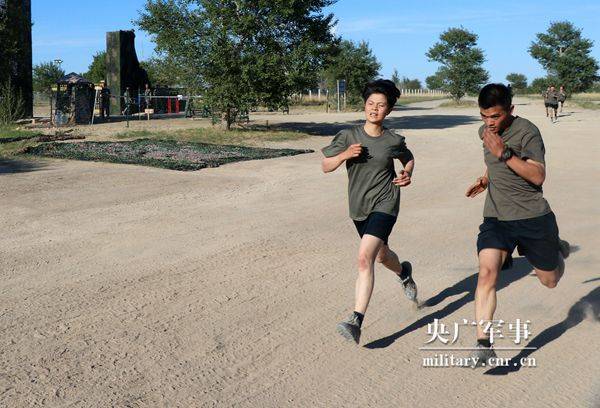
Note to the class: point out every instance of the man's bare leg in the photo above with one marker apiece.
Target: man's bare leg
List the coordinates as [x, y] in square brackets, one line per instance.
[551, 278]
[490, 263]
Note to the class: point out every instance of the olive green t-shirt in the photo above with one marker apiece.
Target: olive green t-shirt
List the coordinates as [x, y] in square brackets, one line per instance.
[551, 97]
[370, 175]
[562, 96]
[511, 197]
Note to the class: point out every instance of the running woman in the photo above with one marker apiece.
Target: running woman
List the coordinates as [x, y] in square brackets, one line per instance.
[369, 151]
[515, 213]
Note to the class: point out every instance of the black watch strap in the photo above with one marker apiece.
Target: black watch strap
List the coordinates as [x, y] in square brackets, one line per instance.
[507, 153]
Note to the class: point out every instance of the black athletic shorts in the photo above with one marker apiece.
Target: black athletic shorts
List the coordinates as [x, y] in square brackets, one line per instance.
[535, 238]
[378, 224]
[551, 105]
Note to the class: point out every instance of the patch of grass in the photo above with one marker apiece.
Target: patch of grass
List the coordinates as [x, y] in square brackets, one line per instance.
[9, 132]
[244, 137]
[588, 100]
[14, 141]
[168, 154]
[461, 104]
[594, 105]
[15, 148]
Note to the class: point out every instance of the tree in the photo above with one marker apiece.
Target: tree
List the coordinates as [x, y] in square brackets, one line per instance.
[242, 52]
[163, 71]
[45, 76]
[407, 83]
[434, 81]
[518, 82]
[461, 71]
[396, 78]
[97, 70]
[354, 63]
[540, 85]
[563, 53]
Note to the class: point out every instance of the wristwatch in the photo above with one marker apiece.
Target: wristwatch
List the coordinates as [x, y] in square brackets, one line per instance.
[507, 153]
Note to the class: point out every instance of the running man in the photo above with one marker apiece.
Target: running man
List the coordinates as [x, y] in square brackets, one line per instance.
[562, 97]
[551, 101]
[515, 213]
[369, 151]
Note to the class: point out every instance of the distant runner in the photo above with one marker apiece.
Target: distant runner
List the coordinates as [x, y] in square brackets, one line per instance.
[562, 97]
[551, 101]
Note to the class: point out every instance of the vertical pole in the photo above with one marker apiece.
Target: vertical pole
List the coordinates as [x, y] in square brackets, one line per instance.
[338, 95]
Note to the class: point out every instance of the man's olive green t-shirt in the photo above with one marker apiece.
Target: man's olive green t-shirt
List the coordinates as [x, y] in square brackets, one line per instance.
[551, 97]
[370, 175]
[511, 197]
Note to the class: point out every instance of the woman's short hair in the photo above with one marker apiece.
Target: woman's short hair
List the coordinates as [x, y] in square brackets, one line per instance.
[382, 86]
[495, 95]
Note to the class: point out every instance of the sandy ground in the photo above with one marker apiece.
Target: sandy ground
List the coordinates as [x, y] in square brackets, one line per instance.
[129, 286]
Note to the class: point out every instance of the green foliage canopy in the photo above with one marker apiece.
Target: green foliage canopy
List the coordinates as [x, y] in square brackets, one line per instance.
[565, 54]
[45, 76]
[242, 52]
[354, 63]
[461, 62]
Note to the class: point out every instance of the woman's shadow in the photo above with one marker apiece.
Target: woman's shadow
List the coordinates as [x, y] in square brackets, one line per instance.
[520, 269]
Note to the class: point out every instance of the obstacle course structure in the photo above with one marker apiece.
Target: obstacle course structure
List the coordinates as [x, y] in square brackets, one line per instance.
[15, 49]
[123, 69]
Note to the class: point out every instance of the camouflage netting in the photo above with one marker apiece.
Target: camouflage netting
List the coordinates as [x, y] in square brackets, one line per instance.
[159, 153]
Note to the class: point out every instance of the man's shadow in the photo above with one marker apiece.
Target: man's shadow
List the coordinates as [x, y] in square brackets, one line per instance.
[587, 305]
[520, 269]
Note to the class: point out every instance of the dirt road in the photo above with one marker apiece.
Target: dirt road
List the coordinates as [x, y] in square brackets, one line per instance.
[141, 287]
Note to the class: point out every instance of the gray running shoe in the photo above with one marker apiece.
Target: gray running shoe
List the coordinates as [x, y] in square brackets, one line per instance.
[349, 328]
[409, 285]
[564, 247]
[482, 354]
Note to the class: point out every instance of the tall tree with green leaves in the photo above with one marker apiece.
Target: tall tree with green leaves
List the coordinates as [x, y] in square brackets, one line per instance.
[45, 76]
[242, 52]
[565, 54]
[396, 78]
[462, 62]
[354, 63]
[408, 83]
[97, 70]
[540, 85]
[163, 71]
[518, 82]
[434, 82]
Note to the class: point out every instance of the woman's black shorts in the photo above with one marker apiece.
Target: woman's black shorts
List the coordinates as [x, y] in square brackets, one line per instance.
[551, 105]
[378, 224]
[535, 238]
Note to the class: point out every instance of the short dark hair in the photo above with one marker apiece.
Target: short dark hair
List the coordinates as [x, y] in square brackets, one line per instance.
[495, 95]
[382, 86]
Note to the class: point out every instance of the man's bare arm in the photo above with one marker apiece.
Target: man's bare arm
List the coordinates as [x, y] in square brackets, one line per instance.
[530, 170]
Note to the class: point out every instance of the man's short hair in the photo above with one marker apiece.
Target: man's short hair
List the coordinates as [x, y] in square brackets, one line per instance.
[495, 95]
[382, 86]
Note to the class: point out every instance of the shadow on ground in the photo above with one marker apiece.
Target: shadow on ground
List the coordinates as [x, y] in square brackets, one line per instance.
[520, 269]
[588, 306]
[400, 123]
[10, 166]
